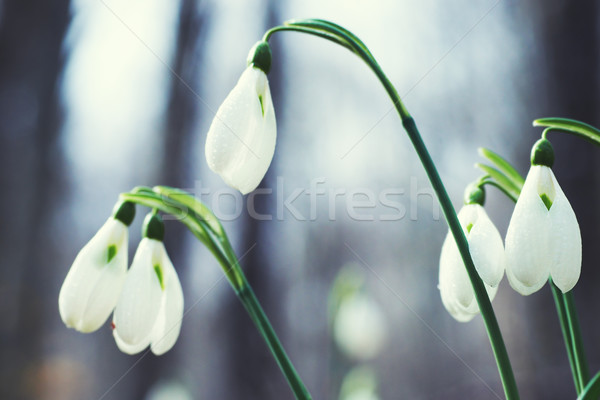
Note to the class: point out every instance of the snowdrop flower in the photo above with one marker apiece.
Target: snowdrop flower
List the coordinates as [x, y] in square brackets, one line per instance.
[93, 284]
[150, 309]
[487, 251]
[241, 139]
[359, 327]
[543, 238]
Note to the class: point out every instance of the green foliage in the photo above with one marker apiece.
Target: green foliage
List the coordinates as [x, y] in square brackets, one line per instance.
[577, 128]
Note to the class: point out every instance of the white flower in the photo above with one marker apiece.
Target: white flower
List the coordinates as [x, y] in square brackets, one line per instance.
[92, 286]
[241, 139]
[359, 327]
[543, 236]
[150, 309]
[487, 251]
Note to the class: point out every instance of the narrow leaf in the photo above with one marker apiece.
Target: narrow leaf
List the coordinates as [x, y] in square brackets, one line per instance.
[511, 195]
[182, 197]
[592, 390]
[503, 166]
[502, 180]
[153, 200]
[577, 128]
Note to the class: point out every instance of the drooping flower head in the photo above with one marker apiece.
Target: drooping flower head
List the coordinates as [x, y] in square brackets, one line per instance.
[93, 284]
[150, 308]
[241, 139]
[487, 251]
[543, 238]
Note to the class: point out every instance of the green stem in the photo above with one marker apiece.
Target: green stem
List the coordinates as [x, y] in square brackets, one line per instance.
[250, 302]
[565, 307]
[491, 324]
[566, 331]
[592, 390]
[577, 343]
[207, 228]
[485, 306]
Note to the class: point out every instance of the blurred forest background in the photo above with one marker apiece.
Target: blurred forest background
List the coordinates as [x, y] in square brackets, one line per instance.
[97, 96]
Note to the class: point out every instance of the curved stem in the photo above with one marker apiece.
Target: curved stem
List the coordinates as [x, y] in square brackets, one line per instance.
[207, 228]
[323, 35]
[506, 374]
[485, 306]
[574, 127]
[503, 189]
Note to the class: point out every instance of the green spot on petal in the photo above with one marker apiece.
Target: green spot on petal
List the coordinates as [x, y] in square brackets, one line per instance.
[262, 106]
[546, 200]
[111, 252]
[469, 227]
[159, 274]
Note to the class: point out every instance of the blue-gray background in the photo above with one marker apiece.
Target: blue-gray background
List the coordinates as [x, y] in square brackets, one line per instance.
[99, 96]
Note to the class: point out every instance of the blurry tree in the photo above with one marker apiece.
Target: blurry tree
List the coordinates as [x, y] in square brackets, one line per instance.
[31, 35]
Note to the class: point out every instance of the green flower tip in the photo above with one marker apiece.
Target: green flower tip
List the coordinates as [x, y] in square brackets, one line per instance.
[159, 274]
[153, 227]
[546, 200]
[124, 211]
[111, 253]
[474, 194]
[542, 153]
[260, 56]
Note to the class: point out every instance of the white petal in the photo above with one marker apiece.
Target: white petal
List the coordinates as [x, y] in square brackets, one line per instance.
[168, 323]
[527, 238]
[140, 299]
[450, 303]
[458, 312]
[487, 249]
[468, 214]
[565, 242]
[455, 287]
[92, 286]
[130, 348]
[241, 139]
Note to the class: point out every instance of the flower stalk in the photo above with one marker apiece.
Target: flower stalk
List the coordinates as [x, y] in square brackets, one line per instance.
[346, 39]
[207, 228]
[510, 182]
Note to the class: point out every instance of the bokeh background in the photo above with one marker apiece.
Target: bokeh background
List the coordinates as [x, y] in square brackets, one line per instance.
[97, 96]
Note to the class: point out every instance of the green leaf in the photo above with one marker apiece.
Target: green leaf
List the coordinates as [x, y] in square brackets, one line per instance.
[592, 390]
[505, 183]
[153, 200]
[182, 197]
[218, 245]
[339, 28]
[311, 29]
[503, 166]
[511, 195]
[577, 128]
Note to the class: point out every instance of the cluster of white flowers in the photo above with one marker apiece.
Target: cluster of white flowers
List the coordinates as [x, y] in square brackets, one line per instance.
[542, 241]
[147, 299]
